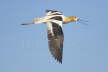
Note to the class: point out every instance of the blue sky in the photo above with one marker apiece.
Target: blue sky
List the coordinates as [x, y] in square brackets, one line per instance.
[25, 48]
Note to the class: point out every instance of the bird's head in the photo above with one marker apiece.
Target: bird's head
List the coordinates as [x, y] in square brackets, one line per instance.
[74, 19]
[70, 19]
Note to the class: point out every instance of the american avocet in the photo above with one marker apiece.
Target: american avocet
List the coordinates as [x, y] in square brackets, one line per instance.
[54, 20]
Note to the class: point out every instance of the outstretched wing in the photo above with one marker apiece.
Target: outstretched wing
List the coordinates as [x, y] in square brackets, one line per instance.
[56, 38]
[53, 12]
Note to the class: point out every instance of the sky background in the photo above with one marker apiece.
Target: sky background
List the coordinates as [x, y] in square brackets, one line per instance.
[25, 48]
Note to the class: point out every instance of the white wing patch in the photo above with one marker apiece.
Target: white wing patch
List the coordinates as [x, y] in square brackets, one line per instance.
[50, 28]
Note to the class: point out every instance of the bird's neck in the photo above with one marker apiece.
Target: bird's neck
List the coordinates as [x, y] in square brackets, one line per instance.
[70, 19]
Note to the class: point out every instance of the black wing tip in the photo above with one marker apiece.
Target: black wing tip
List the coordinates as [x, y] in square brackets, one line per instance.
[52, 10]
[48, 10]
[59, 60]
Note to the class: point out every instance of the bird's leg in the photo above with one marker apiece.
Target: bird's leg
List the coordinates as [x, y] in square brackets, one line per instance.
[35, 21]
[39, 20]
[27, 23]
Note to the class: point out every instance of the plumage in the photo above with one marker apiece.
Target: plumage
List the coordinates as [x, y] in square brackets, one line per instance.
[54, 20]
[55, 41]
[53, 12]
[59, 18]
[70, 19]
[55, 34]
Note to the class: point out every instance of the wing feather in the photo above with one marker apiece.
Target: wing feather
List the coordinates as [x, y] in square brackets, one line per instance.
[55, 40]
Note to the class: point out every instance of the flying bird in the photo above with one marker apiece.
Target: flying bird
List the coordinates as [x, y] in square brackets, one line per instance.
[54, 20]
